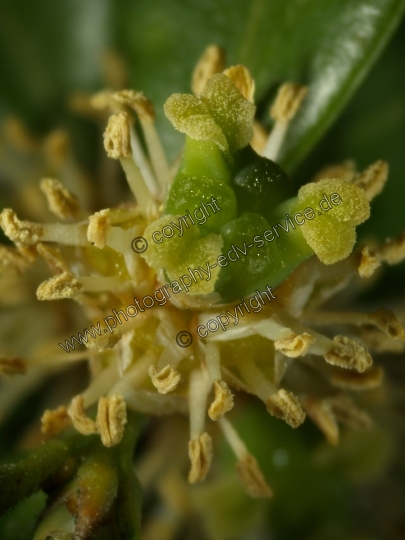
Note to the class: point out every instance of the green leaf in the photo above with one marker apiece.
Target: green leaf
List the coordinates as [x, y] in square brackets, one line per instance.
[328, 45]
[26, 475]
[373, 127]
[19, 523]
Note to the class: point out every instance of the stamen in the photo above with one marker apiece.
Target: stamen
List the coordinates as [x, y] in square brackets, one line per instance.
[210, 63]
[294, 345]
[347, 413]
[103, 342]
[273, 328]
[66, 285]
[350, 380]
[101, 233]
[285, 405]
[223, 401]
[145, 111]
[157, 154]
[320, 411]
[198, 391]
[373, 179]
[134, 377]
[349, 354]
[384, 319]
[53, 258]
[213, 361]
[200, 452]
[288, 101]
[111, 419]
[341, 351]
[61, 286]
[20, 231]
[242, 79]
[379, 342]
[61, 202]
[102, 283]
[115, 103]
[368, 263]
[392, 251]
[344, 171]
[142, 162]
[124, 352]
[55, 421]
[165, 380]
[279, 403]
[102, 100]
[82, 423]
[200, 444]
[29, 233]
[256, 379]
[235, 381]
[286, 105]
[259, 140]
[247, 467]
[280, 366]
[117, 142]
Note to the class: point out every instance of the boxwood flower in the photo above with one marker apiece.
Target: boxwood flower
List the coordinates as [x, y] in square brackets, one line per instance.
[303, 247]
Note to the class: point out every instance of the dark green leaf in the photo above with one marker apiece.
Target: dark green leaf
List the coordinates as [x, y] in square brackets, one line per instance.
[329, 45]
[19, 523]
[25, 476]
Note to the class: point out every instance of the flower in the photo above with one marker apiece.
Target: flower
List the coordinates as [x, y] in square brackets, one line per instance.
[141, 308]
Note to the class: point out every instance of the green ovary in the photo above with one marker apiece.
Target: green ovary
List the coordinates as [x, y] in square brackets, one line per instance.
[192, 194]
[254, 196]
[267, 262]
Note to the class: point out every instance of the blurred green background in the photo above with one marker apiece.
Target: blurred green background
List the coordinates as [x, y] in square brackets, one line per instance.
[352, 55]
